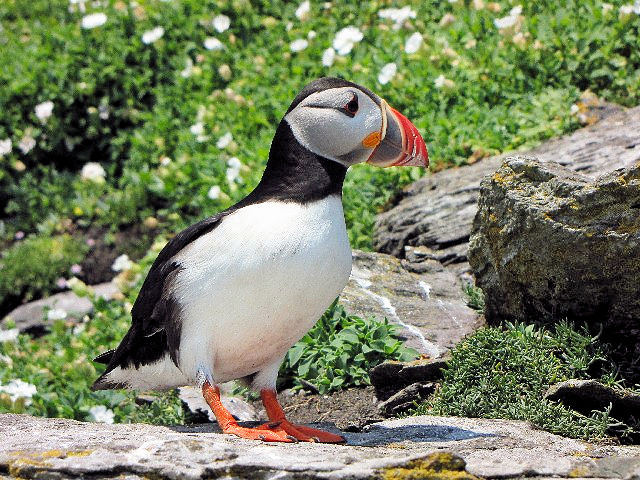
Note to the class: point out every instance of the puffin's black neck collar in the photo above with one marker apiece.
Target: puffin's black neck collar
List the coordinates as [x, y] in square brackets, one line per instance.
[295, 174]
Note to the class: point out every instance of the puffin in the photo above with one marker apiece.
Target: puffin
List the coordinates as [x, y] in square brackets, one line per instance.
[228, 296]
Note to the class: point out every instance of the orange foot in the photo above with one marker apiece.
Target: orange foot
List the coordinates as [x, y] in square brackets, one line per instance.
[300, 432]
[278, 430]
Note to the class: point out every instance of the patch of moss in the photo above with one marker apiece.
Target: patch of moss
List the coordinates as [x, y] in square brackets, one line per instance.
[28, 460]
[30, 268]
[436, 466]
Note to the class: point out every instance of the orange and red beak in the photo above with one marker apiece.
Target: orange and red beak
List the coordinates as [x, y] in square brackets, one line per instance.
[400, 142]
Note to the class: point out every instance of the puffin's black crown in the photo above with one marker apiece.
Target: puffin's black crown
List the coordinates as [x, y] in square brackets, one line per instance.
[326, 83]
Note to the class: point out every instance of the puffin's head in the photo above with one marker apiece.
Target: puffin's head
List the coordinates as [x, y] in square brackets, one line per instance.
[349, 124]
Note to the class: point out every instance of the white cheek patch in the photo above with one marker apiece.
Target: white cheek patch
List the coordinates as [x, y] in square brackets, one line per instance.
[334, 135]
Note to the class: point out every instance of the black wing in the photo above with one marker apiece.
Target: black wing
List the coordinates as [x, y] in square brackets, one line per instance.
[155, 326]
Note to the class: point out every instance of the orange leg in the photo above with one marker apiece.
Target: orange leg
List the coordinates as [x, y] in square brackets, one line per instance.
[300, 432]
[228, 424]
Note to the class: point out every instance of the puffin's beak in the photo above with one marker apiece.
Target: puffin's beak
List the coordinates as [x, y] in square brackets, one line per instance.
[400, 142]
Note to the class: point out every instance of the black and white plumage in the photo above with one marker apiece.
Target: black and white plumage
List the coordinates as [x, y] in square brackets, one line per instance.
[227, 297]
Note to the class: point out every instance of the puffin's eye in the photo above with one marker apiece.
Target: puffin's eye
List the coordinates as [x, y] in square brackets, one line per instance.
[351, 108]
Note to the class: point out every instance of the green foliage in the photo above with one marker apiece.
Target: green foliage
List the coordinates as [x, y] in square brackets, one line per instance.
[131, 105]
[30, 268]
[340, 349]
[475, 297]
[504, 373]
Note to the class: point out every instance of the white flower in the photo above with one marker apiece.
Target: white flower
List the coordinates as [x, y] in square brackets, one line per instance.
[221, 23]
[510, 20]
[94, 20]
[26, 144]
[439, 82]
[93, 171]
[311, 35]
[606, 8]
[103, 112]
[574, 109]
[56, 314]
[152, 35]
[447, 19]
[78, 329]
[101, 414]
[413, 43]
[298, 45]
[188, 69]
[5, 147]
[345, 39]
[214, 192]
[121, 263]
[18, 389]
[328, 57]
[234, 162]
[197, 128]
[626, 10]
[397, 15]
[505, 22]
[10, 335]
[6, 359]
[44, 110]
[387, 73]
[81, 5]
[224, 141]
[212, 43]
[636, 7]
[302, 12]
[233, 169]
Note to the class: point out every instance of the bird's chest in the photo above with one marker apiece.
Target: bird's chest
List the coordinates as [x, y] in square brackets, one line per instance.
[257, 283]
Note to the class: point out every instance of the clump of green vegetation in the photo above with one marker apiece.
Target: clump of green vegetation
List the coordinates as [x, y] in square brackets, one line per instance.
[339, 351]
[475, 297]
[503, 372]
[152, 111]
[29, 268]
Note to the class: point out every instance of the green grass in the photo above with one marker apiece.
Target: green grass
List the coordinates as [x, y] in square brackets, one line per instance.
[504, 373]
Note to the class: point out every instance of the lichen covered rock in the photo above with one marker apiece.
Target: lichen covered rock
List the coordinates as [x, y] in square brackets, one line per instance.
[549, 243]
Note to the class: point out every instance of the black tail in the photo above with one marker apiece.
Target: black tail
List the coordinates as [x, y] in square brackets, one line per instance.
[104, 357]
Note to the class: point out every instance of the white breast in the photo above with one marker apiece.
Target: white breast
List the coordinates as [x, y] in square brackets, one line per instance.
[257, 283]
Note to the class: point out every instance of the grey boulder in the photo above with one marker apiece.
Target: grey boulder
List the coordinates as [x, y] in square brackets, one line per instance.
[30, 317]
[550, 243]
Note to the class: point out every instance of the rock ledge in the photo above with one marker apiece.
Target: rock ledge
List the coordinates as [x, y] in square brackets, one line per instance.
[46, 448]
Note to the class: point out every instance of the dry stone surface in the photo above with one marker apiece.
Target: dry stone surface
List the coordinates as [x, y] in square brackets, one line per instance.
[60, 449]
[430, 307]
